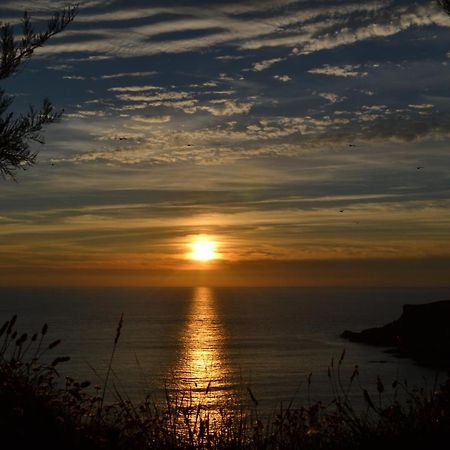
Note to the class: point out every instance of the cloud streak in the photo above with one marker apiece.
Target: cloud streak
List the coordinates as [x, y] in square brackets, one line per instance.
[230, 23]
[290, 131]
[339, 71]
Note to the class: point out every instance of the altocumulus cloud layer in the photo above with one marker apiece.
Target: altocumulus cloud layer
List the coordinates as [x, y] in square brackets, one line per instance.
[291, 130]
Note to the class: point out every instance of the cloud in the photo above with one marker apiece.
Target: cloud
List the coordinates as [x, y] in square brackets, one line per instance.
[49, 5]
[154, 119]
[128, 75]
[367, 92]
[225, 108]
[331, 97]
[261, 159]
[73, 77]
[271, 137]
[156, 98]
[81, 114]
[339, 71]
[370, 20]
[60, 67]
[283, 78]
[144, 88]
[90, 58]
[397, 20]
[266, 64]
[235, 57]
[422, 106]
[222, 25]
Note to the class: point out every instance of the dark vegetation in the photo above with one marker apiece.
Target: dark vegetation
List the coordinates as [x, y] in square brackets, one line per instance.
[41, 409]
[445, 5]
[17, 130]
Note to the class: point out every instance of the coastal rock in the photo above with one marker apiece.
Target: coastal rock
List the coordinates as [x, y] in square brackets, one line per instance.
[422, 333]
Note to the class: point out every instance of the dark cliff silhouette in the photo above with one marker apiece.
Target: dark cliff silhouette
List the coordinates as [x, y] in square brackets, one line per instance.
[422, 333]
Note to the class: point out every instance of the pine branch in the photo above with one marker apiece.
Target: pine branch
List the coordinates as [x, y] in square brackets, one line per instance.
[445, 4]
[16, 132]
[14, 51]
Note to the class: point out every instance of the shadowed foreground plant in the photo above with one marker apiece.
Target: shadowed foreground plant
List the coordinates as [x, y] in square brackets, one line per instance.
[38, 407]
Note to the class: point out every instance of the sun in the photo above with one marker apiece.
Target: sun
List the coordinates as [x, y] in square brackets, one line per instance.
[203, 250]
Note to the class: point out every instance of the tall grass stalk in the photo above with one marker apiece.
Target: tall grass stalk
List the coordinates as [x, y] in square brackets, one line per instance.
[113, 352]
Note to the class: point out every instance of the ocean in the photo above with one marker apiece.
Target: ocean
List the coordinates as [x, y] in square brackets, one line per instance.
[216, 342]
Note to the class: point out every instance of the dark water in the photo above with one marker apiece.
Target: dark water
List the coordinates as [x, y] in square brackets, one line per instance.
[184, 338]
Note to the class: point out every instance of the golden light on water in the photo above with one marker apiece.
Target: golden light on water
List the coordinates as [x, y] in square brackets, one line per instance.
[203, 249]
[203, 369]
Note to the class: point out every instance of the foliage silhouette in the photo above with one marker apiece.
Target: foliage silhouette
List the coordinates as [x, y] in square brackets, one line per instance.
[39, 408]
[446, 5]
[17, 130]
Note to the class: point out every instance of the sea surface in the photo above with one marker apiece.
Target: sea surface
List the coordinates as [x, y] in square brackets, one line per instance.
[215, 343]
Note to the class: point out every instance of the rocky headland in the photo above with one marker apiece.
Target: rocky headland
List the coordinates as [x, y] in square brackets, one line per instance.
[422, 333]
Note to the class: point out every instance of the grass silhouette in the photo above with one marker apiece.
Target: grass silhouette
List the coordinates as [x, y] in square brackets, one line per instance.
[40, 408]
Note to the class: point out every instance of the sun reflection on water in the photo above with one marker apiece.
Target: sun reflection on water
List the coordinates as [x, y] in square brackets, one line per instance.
[203, 370]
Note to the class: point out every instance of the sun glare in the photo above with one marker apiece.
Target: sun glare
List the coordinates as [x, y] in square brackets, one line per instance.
[203, 250]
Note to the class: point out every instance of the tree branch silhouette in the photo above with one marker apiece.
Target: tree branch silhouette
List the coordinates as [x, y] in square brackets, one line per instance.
[17, 130]
[445, 4]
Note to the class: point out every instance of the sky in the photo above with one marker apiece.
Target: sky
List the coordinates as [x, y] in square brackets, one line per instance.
[307, 139]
